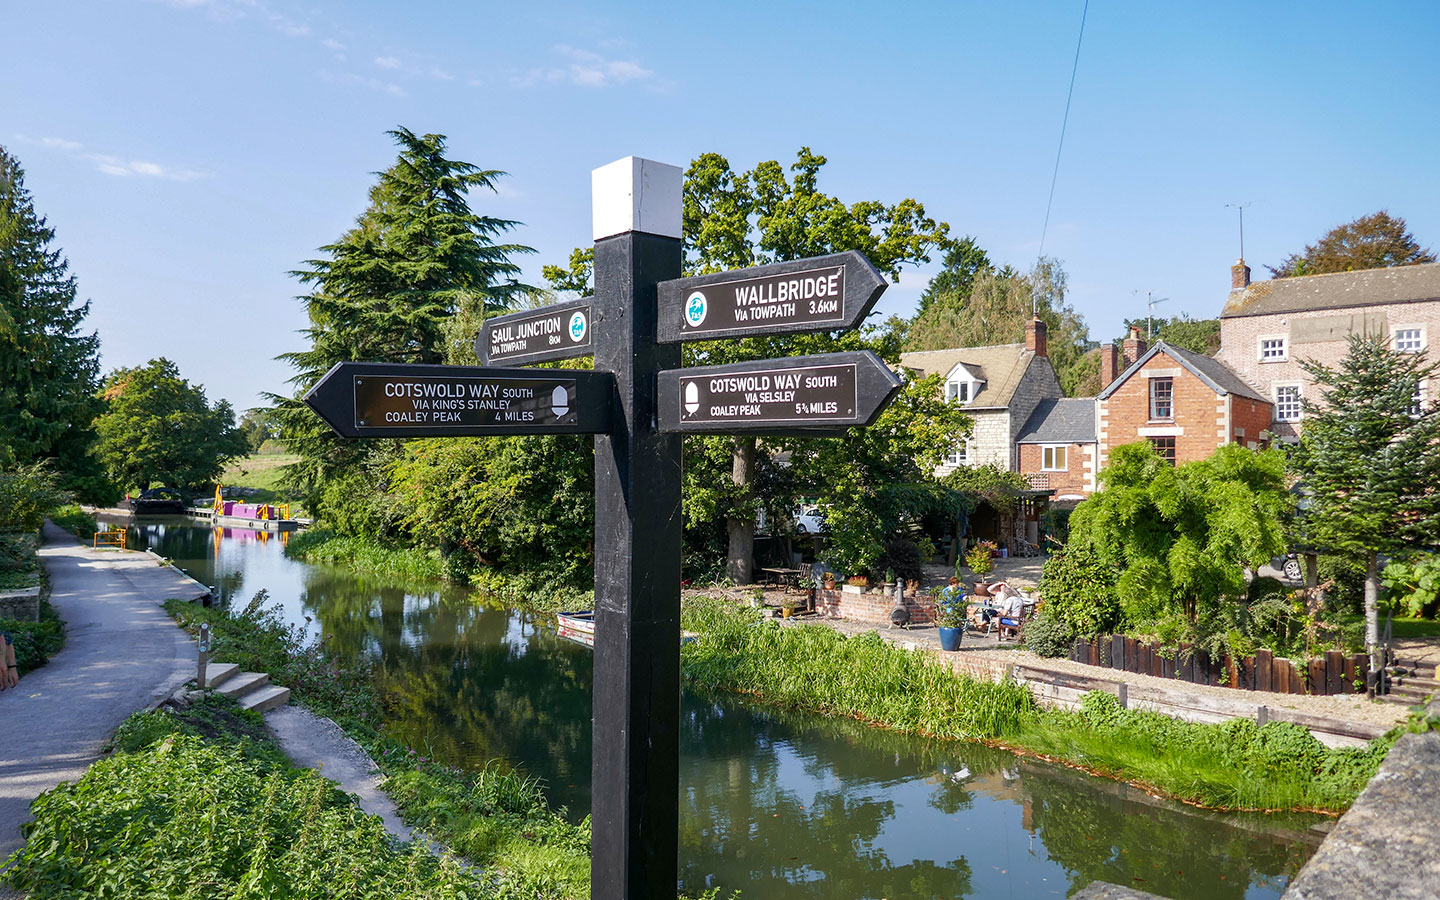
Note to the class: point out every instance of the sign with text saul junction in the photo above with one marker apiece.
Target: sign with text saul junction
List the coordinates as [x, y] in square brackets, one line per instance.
[559, 331]
[823, 293]
[395, 400]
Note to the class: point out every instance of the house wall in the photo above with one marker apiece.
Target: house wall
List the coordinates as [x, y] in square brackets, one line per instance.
[1248, 418]
[1038, 383]
[1319, 335]
[990, 440]
[1199, 425]
[1078, 478]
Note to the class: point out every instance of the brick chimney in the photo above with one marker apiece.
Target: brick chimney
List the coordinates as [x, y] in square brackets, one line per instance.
[1109, 364]
[1239, 276]
[1135, 347]
[1035, 337]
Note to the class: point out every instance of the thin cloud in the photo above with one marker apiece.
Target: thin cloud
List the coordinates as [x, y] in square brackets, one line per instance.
[396, 64]
[387, 62]
[109, 164]
[232, 10]
[350, 79]
[585, 68]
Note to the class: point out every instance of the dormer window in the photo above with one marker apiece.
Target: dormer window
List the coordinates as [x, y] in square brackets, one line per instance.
[957, 391]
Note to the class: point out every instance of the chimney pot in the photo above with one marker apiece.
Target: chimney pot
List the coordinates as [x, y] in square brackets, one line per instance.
[1109, 364]
[1135, 347]
[1035, 340]
[1239, 276]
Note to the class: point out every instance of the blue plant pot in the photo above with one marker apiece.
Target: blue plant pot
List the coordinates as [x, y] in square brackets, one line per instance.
[949, 638]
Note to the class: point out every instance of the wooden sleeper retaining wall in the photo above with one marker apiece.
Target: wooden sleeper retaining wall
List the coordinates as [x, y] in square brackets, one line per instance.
[1331, 673]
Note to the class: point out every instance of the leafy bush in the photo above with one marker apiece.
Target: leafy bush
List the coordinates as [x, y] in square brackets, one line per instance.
[978, 558]
[35, 642]
[187, 817]
[1414, 586]
[1049, 635]
[27, 495]
[1346, 583]
[325, 547]
[904, 557]
[1079, 588]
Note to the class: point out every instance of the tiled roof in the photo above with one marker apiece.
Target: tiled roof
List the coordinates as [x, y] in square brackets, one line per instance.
[1367, 287]
[1001, 367]
[1213, 372]
[1060, 421]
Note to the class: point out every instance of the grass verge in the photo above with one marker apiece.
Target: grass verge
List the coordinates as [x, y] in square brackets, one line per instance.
[366, 554]
[496, 818]
[1234, 765]
[199, 799]
[76, 521]
[1410, 627]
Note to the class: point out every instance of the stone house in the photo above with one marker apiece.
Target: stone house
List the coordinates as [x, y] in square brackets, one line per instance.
[1186, 403]
[999, 386]
[1269, 326]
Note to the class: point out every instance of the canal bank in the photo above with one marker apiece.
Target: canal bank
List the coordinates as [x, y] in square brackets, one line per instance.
[122, 653]
[785, 803]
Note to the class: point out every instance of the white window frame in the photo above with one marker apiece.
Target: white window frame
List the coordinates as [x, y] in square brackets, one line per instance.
[1049, 450]
[1299, 401]
[954, 391]
[1284, 341]
[1150, 398]
[1417, 406]
[960, 456]
[1395, 338]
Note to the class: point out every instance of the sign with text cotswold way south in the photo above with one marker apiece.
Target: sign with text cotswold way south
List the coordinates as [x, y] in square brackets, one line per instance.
[830, 391]
[636, 402]
[396, 400]
[823, 293]
[559, 331]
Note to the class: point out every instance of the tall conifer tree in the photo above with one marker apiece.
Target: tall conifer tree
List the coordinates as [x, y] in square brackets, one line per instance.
[48, 369]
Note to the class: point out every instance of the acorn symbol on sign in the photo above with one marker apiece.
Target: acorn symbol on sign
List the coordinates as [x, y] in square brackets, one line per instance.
[559, 401]
[692, 398]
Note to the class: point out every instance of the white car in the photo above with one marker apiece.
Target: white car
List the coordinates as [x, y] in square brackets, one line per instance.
[809, 520]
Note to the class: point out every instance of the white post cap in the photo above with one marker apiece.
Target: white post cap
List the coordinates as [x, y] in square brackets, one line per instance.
[634, 194]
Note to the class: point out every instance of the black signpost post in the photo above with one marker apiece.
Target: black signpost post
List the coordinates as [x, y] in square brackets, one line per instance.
[637, 402]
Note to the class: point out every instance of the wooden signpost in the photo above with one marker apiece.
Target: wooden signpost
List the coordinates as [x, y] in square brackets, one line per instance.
[638, 402]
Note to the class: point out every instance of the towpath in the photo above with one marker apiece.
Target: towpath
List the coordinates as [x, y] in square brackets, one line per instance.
[122, 653]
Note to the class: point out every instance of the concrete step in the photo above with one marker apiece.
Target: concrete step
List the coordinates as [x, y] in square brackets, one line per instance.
[216, 673]
[266, 698]
[1409, 695]
[1415, 681]
[244, 683]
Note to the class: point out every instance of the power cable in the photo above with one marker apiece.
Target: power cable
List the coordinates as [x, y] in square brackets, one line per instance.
[1063, 122]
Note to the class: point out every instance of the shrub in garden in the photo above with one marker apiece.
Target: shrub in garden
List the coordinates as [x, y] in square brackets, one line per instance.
[1049, 635]
[905, 558]
[1079, 588]
[27, 495]
[1415, 586]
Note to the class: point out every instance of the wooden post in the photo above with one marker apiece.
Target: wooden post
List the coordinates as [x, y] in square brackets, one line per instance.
[635, 795]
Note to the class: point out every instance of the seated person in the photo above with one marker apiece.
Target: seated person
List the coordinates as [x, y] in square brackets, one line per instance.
[1012, 607]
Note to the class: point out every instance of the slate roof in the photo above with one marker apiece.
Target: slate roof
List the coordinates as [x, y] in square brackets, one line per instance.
[1213, 372]
[1367, 287]
[1001, 367]
[1060, 421]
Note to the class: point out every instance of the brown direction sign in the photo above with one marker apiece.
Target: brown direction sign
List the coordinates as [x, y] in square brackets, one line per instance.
[826, 393]
[823, 293]
[396, 400]
[560, 331]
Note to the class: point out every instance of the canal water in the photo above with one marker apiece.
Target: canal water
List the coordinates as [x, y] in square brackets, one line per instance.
[777, 804]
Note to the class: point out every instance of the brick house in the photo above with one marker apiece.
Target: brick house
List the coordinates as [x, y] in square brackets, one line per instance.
[1185, 403]
[999, 386]
[1268, 326]
[1056, 448]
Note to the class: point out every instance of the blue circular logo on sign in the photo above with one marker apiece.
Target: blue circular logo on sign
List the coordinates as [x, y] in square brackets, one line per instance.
[695, 309]
[578, 326]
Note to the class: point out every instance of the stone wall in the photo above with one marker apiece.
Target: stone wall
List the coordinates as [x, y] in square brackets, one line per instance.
[23, 604]
[1319, 335]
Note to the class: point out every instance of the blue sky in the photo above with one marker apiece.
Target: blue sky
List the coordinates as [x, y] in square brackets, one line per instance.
[191, 152]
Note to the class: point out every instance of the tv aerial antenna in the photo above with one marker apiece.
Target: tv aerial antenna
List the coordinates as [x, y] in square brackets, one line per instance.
[1151, 301]
[1240, 207]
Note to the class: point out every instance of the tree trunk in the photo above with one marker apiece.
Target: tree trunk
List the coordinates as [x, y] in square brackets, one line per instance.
[1372, 622]
[741, 552]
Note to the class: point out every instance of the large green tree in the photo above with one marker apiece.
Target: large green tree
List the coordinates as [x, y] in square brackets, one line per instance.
[1376, 241]
[1369, 462]
[158, 428]
[410, 283]
[48, 368]
[995, 310]
[1183, 536]
[763, 215]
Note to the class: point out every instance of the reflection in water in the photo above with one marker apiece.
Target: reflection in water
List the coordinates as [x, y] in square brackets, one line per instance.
[778, 804]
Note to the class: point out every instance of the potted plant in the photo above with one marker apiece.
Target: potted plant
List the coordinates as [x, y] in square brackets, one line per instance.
[829, 580]
[757, 598]
[978, 560]
[950, 617]
[788, 607]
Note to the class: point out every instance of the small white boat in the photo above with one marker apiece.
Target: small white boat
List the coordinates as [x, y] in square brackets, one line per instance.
[577, 626]
[580, 628]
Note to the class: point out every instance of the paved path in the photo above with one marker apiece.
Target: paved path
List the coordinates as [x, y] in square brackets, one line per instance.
[122, 653]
